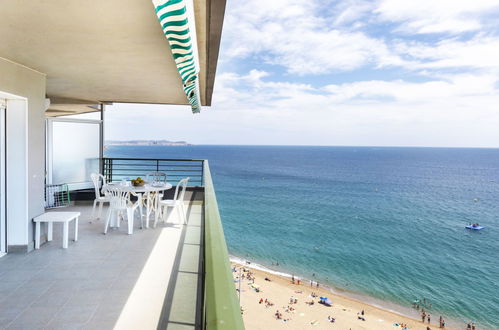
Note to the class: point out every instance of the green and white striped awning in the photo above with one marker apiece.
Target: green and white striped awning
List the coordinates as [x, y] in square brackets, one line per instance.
[177, 20]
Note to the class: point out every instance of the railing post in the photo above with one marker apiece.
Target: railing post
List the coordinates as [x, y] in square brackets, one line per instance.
[157, 165]
[202, 173]
[110, 171]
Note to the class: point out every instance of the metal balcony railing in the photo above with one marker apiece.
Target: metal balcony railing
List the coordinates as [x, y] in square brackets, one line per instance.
[117, 169]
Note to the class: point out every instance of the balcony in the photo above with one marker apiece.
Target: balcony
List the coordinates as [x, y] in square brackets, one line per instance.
[169, 277]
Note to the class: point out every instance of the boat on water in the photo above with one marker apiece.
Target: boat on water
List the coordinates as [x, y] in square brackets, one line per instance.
[474, 227]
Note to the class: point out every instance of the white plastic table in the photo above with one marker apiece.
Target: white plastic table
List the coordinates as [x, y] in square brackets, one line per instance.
[50, 218]
[148, 195]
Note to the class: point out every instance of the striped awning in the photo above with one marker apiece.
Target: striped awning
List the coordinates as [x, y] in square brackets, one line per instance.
[177, 20]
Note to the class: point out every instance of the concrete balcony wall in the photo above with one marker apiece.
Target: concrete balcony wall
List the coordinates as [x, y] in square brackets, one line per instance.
[27, 84]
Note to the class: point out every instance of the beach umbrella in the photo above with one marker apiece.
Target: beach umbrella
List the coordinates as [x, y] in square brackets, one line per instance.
[177, 20]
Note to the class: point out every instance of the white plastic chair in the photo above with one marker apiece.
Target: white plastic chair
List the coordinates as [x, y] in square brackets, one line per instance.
[119, 203]
[153, 177]
[177, 203]
[96, 179]
[156, 177]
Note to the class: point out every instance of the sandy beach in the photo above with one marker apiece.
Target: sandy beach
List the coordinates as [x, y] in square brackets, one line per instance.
[346, 311]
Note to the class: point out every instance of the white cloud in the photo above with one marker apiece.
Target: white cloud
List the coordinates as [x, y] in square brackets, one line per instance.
[480, 52]
[436, 16]
[290, 34]
[308, 39]
[456, 110]
[401, 92]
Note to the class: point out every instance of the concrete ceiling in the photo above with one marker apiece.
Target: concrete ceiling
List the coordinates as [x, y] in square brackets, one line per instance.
[105, 50]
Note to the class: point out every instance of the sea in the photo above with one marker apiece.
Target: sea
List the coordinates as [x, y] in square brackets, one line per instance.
[386, 225]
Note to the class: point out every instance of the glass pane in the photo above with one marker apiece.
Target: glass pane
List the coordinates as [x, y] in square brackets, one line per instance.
[75, 153]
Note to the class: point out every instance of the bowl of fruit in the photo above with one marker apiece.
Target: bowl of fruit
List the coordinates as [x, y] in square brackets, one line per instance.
[139, 182]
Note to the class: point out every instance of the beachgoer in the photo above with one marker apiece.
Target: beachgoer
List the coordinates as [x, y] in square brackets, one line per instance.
[423, 316]
[468, 326]
[261, 301]
[473, 326]
[293, 279]
[428, 318]
[317, 285]
[362, 313]
[298, 282]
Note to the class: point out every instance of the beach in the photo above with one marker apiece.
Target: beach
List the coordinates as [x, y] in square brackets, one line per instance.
[279, 291]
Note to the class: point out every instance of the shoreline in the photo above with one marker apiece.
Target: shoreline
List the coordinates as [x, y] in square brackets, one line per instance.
[398, 312]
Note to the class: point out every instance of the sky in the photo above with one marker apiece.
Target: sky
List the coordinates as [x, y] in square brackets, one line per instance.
[343, 73]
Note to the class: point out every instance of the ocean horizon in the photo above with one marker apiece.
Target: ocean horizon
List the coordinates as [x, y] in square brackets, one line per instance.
[380, 222]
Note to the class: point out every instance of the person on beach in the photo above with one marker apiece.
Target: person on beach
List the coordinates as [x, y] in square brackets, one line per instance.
[428, 318]
[293, 279]
[468, 327]
[442, 322]
[423, 316]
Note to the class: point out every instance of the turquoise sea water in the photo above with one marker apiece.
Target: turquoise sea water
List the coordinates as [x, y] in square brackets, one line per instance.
[383, 222]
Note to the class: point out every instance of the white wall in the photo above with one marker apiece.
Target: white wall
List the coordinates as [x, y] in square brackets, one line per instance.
[29, 84]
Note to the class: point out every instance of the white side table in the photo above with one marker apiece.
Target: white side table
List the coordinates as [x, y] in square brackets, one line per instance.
[50, 218]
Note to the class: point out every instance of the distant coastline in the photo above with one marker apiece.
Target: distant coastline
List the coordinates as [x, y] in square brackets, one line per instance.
[146, 143]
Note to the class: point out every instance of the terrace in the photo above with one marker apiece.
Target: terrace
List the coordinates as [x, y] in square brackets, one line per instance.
[166, 277]
[58, 62]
